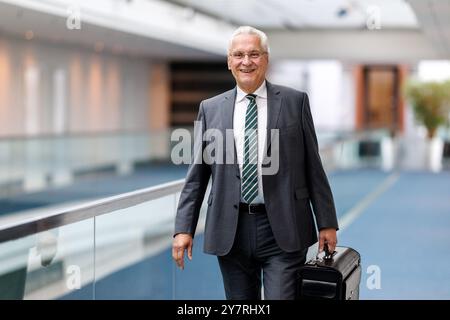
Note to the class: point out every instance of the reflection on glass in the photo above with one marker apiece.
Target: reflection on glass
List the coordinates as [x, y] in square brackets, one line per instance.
[201, 277]
[133, 260]
[54, 264]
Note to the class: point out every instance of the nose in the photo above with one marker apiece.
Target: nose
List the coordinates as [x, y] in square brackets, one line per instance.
[246, 60]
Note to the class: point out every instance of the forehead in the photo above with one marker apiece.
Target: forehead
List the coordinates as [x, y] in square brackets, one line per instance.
[246, 42]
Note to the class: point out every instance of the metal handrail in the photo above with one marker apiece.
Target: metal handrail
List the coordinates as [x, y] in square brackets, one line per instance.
[77, 135]
[87, 210]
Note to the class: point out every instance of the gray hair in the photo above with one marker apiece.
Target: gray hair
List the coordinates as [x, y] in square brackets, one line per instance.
[253, 31]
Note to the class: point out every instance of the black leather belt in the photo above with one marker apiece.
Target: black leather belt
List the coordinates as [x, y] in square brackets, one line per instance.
[252, 208]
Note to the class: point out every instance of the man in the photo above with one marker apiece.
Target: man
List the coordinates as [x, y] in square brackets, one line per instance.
[258, 223]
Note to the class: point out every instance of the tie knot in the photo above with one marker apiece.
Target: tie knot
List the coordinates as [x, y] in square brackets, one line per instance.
[251, 97]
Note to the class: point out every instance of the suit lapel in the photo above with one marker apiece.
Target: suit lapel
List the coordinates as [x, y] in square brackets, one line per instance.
[227, 107]
[273, 111]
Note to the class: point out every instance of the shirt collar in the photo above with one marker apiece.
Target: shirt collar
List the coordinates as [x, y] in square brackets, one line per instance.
[261, 92]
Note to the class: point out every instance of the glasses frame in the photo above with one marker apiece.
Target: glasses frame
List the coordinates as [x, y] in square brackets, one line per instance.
[248, 54]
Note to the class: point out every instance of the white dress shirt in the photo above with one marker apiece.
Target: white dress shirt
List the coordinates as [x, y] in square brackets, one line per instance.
[240, 109]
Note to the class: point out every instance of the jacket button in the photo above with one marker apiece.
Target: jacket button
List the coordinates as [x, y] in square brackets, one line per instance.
[238, 176]
[235, 206]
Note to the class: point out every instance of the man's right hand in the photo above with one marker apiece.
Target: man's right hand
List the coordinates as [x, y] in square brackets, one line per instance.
[181, 242]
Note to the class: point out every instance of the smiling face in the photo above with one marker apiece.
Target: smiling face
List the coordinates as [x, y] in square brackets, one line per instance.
[250, 69]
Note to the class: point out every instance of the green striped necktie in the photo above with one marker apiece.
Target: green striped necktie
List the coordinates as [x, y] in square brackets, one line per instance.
[250, 166]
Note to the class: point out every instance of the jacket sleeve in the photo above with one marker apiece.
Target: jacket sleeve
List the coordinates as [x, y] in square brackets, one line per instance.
[196, 182]
[319, 188]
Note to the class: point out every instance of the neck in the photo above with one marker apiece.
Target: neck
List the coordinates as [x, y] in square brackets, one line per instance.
[250, 89]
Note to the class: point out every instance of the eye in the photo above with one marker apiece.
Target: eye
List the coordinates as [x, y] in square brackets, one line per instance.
[255, 55]
[238, 55]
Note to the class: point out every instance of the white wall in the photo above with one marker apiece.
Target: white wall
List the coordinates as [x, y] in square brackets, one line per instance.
[290, 73]
[357, 46]
[329, 85]
[434, 70]
[47, 89]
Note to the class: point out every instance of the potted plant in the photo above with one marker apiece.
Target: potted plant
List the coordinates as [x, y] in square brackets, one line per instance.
[431, 105]
[430, 101]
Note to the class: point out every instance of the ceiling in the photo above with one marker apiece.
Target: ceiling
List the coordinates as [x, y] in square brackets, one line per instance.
[306, 14]
[416, 29]
[434, 21]
[298, 29]
[16, 21]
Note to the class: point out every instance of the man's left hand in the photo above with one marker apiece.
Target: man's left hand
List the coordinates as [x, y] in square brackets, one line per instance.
[328, 236]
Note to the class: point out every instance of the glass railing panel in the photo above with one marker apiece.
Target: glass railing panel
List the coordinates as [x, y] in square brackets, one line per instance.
[201, 278]
[133, 251]
[29, 164]
[371, 149]
[53, 264]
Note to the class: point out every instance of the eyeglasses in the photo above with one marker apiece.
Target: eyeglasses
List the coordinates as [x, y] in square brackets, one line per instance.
[254, 55]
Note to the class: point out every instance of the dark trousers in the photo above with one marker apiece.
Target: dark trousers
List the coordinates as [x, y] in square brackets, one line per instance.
[255, 252]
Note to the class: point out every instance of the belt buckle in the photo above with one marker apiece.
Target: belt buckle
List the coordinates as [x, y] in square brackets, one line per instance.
[249, 208]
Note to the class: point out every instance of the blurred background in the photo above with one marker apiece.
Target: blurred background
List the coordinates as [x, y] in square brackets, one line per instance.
[91, 91]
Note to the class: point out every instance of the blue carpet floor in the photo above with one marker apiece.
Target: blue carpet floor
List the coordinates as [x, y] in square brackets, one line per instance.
[404, 234]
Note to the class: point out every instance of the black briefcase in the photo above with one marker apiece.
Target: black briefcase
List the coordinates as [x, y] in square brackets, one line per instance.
[331, 276]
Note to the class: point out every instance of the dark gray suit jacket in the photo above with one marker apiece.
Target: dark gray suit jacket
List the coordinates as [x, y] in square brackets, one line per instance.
[299, 182]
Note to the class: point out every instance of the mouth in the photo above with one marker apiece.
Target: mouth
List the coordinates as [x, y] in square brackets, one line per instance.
[247, 70]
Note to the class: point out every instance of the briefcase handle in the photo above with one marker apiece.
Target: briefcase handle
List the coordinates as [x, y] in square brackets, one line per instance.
[328, 255]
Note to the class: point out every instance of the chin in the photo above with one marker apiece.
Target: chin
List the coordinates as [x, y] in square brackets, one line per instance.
[248, 81]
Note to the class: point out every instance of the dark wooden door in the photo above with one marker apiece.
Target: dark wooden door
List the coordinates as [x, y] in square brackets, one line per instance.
[381, 97]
